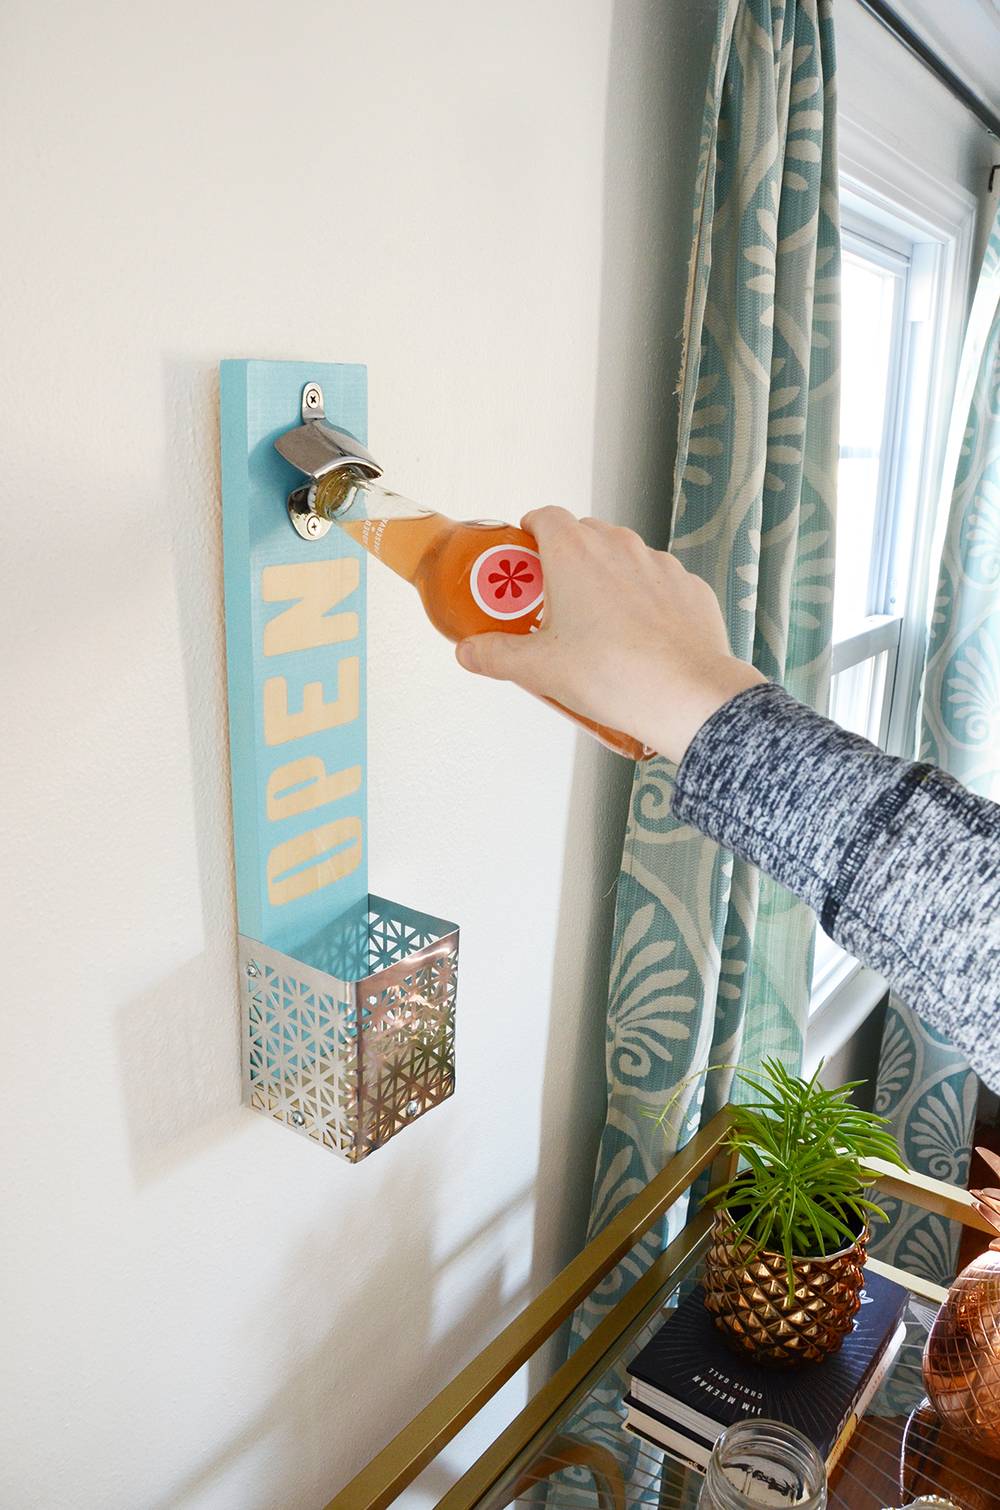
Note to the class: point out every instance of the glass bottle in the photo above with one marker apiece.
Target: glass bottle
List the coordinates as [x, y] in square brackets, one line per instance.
[473, 576]
[758, 1463]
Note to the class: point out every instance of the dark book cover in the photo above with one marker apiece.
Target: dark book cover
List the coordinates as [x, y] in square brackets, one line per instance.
[684, 1447]
[688, 1374]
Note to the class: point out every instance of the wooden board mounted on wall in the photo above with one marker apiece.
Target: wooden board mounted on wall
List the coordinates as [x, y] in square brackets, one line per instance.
[348, 999]
[295, 632]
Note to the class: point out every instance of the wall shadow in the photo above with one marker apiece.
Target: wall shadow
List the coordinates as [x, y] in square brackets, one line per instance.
[654, 94]
[178, 1067]
[178, 1043]
[178, 1051]
[658, 67]
[317, 1403]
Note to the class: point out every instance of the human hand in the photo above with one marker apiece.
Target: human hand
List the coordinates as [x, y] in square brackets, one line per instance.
[629, 638]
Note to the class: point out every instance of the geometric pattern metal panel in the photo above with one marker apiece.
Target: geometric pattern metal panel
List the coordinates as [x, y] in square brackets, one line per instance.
[350, 1059]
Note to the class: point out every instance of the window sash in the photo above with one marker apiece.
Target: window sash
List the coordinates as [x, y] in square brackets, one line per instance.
[891, 203]
[879, 632]
[895, 259]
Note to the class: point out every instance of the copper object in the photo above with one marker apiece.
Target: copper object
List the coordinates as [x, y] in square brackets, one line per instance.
[938, 1462]
[746, 1291]
[962, 1355]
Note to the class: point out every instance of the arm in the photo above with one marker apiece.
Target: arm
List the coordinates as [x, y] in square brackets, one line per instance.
[901, 863]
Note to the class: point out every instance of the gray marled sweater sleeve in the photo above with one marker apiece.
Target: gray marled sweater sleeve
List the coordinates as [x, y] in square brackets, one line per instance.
[900, 862]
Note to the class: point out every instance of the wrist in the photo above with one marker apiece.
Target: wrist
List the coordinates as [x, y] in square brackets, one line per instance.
[726, 679]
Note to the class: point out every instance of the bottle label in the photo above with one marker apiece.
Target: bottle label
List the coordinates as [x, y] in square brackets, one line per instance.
[506, 581]
[371, 534]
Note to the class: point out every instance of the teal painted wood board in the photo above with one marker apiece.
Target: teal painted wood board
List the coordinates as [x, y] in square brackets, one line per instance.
[295, 645]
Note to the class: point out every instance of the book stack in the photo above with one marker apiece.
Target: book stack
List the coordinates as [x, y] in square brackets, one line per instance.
[688, 1386]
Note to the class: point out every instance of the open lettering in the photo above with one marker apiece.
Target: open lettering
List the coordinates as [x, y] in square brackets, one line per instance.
[327, 851]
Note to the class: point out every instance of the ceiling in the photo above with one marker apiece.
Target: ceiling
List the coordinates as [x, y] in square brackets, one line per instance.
[966, 33]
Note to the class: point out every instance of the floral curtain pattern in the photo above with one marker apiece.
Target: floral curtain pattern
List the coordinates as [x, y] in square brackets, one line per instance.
[711, 962]
[924, 1085]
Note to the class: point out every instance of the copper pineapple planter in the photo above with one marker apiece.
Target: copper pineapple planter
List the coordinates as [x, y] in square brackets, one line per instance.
[746, 1290]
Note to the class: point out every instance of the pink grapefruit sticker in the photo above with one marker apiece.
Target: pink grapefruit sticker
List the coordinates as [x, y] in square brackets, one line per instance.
[506, 581]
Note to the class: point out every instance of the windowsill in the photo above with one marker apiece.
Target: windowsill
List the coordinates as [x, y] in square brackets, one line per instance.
[841, 1015]
[832, 969]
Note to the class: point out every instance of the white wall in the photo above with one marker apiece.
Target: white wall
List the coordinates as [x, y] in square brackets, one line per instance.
[888, 92]
[490, 207]
[966, 36]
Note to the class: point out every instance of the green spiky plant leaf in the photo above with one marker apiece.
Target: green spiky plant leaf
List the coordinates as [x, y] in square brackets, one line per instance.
[802, 1190]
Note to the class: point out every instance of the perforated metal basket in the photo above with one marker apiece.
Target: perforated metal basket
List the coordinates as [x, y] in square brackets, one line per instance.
[351, 1047]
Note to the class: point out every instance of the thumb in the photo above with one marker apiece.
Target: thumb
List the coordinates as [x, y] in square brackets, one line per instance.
[505, 657]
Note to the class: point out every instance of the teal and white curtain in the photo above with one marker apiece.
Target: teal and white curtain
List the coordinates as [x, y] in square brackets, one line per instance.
[924, 1084]
[711, 964]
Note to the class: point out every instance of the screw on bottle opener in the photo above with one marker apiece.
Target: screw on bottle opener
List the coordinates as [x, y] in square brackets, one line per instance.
[316, 449]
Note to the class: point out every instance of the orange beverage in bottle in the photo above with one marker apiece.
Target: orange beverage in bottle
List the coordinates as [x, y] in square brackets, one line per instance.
[473, 576]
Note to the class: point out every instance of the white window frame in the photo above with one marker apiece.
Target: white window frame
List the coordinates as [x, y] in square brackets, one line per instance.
[935, 221]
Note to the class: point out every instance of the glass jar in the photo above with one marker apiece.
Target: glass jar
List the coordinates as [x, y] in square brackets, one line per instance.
[757, 1463]
[931, 1502]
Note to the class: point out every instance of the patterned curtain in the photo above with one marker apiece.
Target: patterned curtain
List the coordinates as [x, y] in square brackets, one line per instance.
[711, 964]
[924, 1084]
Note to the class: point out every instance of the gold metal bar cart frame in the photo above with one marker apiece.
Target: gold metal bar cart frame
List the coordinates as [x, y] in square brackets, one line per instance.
[399, 1463]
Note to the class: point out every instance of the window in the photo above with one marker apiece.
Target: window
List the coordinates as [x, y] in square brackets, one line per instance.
[908, 238]
[890, 319]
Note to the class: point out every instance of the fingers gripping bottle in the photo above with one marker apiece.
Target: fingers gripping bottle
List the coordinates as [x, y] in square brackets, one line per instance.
[473, 576]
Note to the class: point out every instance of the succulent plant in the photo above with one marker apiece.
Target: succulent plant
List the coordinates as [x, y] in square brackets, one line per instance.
[803, 1189]
[804, 1192]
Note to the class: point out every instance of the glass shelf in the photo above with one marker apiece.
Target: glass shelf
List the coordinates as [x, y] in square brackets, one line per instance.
[568, 1448]
[590, 1461]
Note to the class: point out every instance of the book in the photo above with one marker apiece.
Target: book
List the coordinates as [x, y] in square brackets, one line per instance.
[694, 1450]
[692, 1384]
[880, 1373]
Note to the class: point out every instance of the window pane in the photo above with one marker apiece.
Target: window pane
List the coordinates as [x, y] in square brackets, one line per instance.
[857, 696]
[869, 297]
[857, 699]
